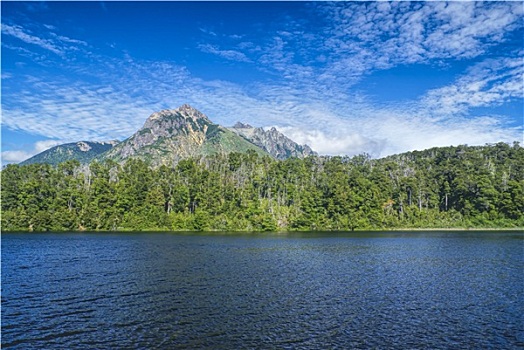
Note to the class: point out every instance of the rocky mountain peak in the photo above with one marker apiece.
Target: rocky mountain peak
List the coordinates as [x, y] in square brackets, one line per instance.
[274, 132]
[173, 134]
[185, 111]
[190, 112]
[272, 141]
[240, 125]
[83, 146]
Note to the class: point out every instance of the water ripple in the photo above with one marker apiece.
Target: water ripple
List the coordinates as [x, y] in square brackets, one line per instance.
[158, 291]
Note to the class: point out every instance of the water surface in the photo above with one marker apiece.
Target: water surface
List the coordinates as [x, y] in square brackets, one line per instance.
[439, 290]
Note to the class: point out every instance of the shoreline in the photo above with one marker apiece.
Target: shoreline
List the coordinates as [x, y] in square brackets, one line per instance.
[460, 229]
[447, 229]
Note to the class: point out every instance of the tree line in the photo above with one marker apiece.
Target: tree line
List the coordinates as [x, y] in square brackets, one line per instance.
[446, 187]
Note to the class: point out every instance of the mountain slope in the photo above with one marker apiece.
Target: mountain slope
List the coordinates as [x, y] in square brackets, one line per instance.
[171, 135]
[83, 151]
[273, 142]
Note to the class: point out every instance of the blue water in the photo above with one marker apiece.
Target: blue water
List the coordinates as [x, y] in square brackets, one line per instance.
[433, 290]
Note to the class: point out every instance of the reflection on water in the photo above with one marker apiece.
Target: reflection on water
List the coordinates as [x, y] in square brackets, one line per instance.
[362, 290]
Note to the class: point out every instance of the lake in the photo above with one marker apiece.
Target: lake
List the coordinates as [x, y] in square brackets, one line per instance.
[398, 290]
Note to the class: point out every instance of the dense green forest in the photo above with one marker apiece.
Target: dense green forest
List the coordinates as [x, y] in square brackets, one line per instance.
[459, 187]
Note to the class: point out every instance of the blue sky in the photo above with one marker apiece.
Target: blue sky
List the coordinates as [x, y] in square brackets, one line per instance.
[345, 78]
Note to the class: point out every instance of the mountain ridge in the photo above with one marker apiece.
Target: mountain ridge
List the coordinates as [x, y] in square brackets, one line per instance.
[83, 151]
[273, 141]
[170, 135]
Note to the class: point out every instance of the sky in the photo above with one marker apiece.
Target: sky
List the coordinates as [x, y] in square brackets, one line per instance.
[344, 77]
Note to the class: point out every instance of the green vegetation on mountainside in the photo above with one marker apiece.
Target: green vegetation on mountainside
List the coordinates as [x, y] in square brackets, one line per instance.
[222, 140]
[83, 151]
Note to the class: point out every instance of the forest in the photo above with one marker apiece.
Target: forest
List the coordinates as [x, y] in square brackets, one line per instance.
[446, 187]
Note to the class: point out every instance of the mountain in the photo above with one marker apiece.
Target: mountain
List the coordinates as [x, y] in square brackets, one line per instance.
[83, 151]
[272, 141]
[171, 135]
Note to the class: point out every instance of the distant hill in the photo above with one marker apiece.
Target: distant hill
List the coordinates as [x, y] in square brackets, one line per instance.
[83, 151]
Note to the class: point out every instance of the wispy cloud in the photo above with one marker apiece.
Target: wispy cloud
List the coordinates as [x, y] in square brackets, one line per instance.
[332, 123]
[231, 55]
[19, 33]
[353, 124]
[308, 92]
[491, 82]
[65, 39]
[207, 31]
[47, 39]
[359, 38]
[390, 33]
[73, 111]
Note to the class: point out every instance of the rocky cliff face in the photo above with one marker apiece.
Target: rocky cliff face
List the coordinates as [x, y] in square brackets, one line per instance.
[170, 135]
[273, 141]
[83, 151]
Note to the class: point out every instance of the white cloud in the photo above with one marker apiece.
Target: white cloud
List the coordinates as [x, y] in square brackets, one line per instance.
[20, 156]
[388, 131]
[231, 55]
[334, 142]
[66, 39]
[19, 33]
[207, 31]
[41, 146]
[490, 82]
[330, 121]
[48, 39]
[75, 111]
[15, 156]
[365, 36]
[308, 92]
